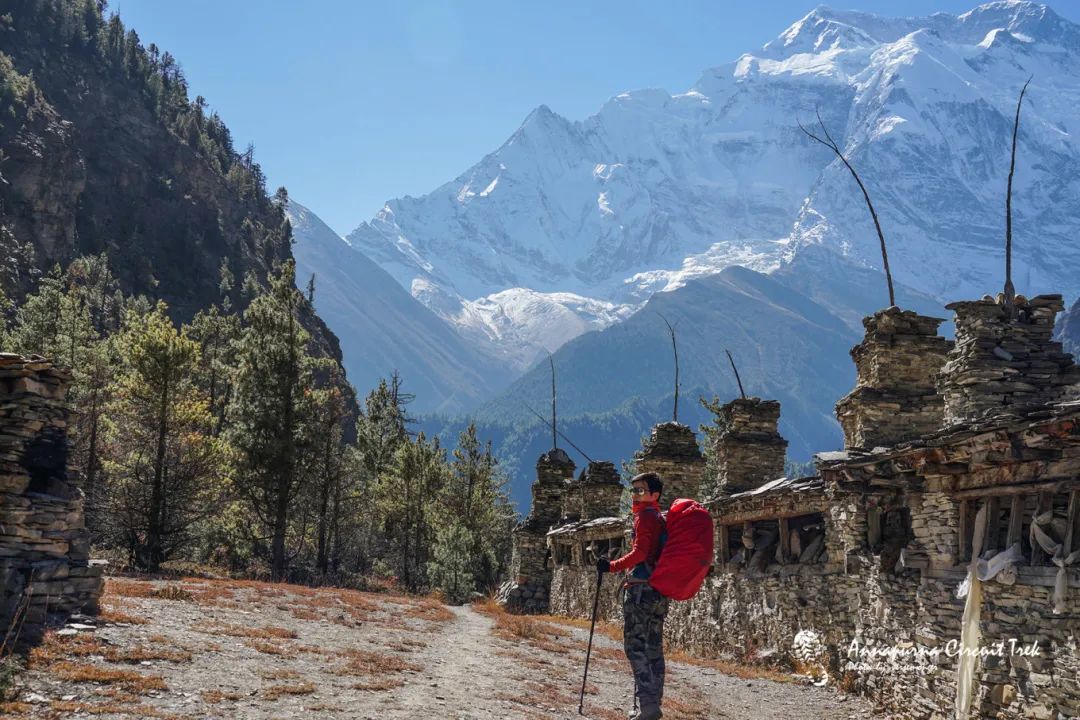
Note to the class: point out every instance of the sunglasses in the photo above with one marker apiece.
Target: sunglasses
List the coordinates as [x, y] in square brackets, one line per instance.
[639, 490]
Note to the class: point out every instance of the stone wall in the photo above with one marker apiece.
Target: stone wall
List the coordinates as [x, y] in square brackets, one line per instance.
[1005, 359]
[44, 546]
[671, 451]
[597, 492]
[898, 538]
[749, 449]
[529, 585]
[895, 398]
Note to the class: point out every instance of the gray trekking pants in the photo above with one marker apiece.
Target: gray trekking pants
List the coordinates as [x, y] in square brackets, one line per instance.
[644, 610]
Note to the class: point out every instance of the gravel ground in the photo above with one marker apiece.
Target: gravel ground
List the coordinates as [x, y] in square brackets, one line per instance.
[227, 649]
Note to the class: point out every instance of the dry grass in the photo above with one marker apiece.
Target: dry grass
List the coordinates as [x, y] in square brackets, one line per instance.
[379, 685]
[539, 694]
[405, 645]
[276, 691]
[366, 662]
[213, 697]
[15, 708]
[54, 649]
[604, 627]
[139, 711]
[122, 587]
[280, 674]
[128, 679]
[172, 592]
[116, 615]
[270, 648]
[728, 667]
[231, 630]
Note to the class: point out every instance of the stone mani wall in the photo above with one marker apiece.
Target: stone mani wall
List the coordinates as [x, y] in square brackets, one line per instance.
[749, 450]
[672, 452]
[894, 399]
[1005, 359]
[44, 546]
[596, 493]
[528, 588]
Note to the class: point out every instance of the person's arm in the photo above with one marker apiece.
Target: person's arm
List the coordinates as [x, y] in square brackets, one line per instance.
[646, 535]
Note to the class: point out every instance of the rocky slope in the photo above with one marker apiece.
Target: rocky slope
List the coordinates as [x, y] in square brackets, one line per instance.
[383, 328]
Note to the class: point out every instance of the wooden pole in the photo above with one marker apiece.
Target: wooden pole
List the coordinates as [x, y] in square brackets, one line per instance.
[832, 145]
[1010, 291]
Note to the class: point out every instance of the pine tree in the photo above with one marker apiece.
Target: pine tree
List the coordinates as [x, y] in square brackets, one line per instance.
[452, 565]
[272, 412]
[381, 429]
[216, 333]
[161, 457]
[328, 469]
[476, 497]
[405, 495]
[39, 321]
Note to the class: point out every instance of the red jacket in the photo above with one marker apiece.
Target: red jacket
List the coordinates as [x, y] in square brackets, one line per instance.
[647, 529]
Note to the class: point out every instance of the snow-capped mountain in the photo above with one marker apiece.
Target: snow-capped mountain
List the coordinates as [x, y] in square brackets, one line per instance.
[382, 328]
[656, 189]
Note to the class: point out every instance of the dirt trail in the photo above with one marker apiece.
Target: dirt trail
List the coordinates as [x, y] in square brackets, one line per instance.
[221, 649]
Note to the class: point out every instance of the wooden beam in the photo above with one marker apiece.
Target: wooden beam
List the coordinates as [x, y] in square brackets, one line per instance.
[1044, 503]
[993, 523]
[1016, 521]
[965, 531]
[785, 541]
[1010, 490]
[1071, 528]
[735, 518]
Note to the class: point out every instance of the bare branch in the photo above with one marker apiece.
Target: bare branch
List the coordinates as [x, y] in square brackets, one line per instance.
[1010, 291]
[675, 349]
[737, 378]
[828, 142]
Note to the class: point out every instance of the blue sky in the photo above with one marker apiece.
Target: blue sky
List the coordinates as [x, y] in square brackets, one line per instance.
[352, 103]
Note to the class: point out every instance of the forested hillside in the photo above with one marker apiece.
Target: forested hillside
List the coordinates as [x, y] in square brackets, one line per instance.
[212, 420]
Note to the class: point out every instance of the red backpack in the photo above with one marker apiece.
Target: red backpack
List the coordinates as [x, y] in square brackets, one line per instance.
[687, 554]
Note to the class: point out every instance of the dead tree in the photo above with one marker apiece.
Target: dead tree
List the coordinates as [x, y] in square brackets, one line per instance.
[1010, 291]
[828, 142]
[737, 378]
[675, 349]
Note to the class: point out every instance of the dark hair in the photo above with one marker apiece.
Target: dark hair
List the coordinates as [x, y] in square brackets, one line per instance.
[656, 485]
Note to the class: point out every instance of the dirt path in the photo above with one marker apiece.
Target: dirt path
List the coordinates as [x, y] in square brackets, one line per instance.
[222, 649]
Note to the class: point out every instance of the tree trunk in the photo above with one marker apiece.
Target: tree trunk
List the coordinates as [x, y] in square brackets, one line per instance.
[155, 527]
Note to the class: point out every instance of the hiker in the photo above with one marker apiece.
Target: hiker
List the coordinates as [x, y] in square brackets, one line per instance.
[644, 608]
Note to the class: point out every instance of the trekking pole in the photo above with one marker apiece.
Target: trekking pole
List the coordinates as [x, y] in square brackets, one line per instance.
[588, 652]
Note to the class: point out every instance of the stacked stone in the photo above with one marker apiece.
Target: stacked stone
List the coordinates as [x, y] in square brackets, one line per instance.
[672, 452]
[601, 491]
[749, 449]
[44, 547]
[529, 585]
[895, 398]
[1005, 360]
[573, 500]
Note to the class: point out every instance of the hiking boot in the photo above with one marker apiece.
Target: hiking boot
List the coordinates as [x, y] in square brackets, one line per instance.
[649, 712]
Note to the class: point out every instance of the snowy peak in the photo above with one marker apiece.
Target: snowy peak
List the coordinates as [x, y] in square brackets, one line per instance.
[657, 189]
